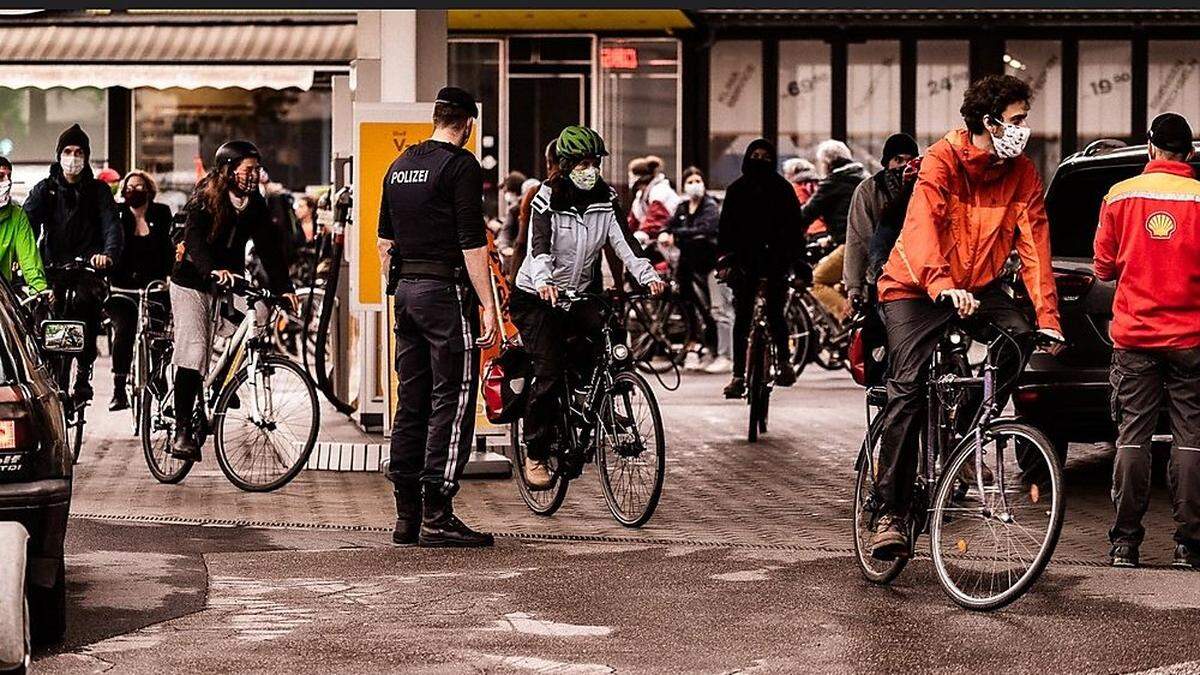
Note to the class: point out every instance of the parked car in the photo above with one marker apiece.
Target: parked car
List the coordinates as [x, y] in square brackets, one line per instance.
[35, 463]
[1067, 396]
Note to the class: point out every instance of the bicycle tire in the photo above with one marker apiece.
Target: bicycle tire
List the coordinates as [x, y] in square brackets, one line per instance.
[874, 570]
[946, 494]
[220, 416]
[540, 502]
[801, 335]
[640, 516]
[138, 383]
[755, 380]
[156, 448]
[77, 434]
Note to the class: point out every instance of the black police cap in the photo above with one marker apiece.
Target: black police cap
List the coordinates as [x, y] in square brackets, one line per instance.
[1171, 132]
[459, 98]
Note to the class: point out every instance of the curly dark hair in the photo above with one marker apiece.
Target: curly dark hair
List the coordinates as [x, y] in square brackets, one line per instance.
[990, 96]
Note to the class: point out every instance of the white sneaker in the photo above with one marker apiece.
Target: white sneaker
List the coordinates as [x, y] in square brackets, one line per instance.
[719, 366]
[692, 362]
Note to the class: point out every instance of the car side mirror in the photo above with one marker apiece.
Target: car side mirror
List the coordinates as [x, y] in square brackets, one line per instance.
[63, 337]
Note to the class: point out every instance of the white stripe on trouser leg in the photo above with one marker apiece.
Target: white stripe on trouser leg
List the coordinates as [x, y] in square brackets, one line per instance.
[463, 396]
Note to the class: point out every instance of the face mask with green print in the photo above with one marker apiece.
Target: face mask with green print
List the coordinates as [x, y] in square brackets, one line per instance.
[585, 179]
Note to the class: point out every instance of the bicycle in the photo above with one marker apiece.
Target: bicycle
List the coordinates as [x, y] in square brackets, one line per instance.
[259, 406]
[817, 335]
[613, 420]
[980, 478]
[760, 359]
[152, 323]
[663, 329]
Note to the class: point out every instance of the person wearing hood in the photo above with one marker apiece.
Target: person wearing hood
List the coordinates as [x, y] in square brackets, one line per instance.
[802, 174]
[867, 205]
[757, 241]
[831, 202]
[974, 185]
[17, 241]
[75, 216]
[573, 216]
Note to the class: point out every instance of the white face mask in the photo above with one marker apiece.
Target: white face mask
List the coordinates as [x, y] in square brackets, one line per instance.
[5, 192]
[584, 179]
[72, 165]
[694, 190]
[1012, 142]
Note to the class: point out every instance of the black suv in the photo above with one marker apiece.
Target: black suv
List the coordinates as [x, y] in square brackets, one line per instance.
[1067, 396]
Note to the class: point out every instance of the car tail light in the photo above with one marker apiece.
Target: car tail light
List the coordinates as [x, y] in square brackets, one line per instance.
[8, 435]
[16, 433]
[1072, 286]
[1027, 397]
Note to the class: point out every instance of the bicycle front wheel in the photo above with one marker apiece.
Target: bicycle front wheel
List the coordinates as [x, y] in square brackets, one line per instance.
[632, 451]
[991, 538]
[157, 428]
[541, 502]
[756, 383]
[265, 424]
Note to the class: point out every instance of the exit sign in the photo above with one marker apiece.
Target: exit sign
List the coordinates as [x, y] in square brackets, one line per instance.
[622, 58]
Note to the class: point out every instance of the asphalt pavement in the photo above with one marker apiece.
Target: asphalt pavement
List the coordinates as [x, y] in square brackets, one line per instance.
[745, 567]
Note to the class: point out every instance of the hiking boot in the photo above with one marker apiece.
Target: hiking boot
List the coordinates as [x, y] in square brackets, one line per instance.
[184, 445]
[1184, 557]
[1124, 555]
[736, 388]
[120, 397]
[408, 514]
[967, 474]
[440, 528]
[786, 377]
[890, 541]
[537, 475]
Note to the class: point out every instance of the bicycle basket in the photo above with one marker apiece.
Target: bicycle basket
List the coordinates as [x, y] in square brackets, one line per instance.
[504, 384]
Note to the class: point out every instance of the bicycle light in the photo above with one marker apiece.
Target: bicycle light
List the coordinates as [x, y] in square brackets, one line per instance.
[620, 352]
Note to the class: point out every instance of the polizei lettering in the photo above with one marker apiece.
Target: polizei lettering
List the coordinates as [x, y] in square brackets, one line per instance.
[410, 176]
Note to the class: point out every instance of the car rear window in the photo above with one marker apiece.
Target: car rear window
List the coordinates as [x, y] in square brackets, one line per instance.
[1073, 207]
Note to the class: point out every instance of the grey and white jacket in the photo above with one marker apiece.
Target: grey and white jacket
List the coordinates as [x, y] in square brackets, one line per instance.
[565, 244]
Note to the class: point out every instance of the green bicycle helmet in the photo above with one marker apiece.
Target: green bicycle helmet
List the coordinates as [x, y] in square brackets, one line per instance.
[578, 141]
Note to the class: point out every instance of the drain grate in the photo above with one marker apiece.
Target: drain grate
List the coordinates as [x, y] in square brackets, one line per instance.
[520, 536]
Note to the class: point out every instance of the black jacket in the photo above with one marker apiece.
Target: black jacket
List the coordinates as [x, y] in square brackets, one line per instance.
[831, 201]
[696, 233]
[73, 220]
[148, 258]
[227, 251]
[758, 218]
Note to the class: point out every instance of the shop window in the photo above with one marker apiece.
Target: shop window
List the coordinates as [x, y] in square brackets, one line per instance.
[1174, 80]
[734, 106]
[474, 65]
[872, 98]
[639, 104]
[805, 90]
[943, 75]
[1105, 91]
[1039, 62]
[31, 120]
[176, 132]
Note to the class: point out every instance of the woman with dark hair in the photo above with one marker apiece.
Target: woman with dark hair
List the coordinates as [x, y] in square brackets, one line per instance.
[693, 229]
[149, 256]
[225, 211]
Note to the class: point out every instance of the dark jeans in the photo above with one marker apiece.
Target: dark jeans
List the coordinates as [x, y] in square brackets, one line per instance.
[745, 290]
[1140, 380]
[122, 312]
[438, 368]
[913, 330]
[695, 262]
[556, 340]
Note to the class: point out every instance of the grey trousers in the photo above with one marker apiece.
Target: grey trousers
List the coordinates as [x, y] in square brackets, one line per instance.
[1141, 379]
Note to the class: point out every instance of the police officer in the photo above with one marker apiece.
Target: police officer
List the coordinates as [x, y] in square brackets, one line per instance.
[433, 243]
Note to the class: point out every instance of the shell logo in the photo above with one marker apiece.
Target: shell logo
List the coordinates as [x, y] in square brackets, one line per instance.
[1160, 225]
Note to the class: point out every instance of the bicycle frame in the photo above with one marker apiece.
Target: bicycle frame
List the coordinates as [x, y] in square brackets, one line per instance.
[241, 347]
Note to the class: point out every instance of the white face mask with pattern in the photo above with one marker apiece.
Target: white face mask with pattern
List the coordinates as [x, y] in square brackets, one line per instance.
[585, 179]
[1012, 142]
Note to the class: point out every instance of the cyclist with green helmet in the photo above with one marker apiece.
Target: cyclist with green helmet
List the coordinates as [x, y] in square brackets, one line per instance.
[573, 216]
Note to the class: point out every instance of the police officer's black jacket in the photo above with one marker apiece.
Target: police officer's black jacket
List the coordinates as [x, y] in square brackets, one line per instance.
[227, 249]
[432, 207]
[73, 220]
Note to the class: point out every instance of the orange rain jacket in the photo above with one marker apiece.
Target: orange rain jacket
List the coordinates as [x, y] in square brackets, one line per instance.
[968, 212]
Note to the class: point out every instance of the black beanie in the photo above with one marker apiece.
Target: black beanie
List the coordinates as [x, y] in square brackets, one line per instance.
[74, 136]
[1171, 132]
[899, 144]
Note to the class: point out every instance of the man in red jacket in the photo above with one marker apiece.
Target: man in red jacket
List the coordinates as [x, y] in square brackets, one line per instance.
[1149, 242]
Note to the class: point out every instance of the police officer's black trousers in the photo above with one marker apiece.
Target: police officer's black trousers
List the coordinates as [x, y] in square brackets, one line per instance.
[1141, 380]
[438, 368]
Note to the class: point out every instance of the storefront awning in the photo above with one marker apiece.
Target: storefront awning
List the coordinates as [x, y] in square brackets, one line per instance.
[566, 20]
[162, 55]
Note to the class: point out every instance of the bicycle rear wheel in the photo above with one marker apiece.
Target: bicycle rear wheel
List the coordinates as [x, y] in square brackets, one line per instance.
[541, 502]
[632, 451]
[801, 335]
[990, 546]
[265, 429]
[865, 511]
[157, 429]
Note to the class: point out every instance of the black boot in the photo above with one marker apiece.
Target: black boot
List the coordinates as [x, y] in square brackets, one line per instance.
[83, 385]
[120, 398]
[184, 445]
[408, 514]
[441, 529]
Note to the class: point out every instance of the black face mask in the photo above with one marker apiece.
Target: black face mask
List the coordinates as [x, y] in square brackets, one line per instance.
[136, 198]
[759, 166]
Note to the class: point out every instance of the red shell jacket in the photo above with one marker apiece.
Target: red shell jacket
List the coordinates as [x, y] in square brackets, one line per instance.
[967, 214]
[1149, 241]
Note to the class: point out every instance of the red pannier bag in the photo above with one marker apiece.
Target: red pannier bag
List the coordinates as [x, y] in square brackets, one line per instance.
[506, 384]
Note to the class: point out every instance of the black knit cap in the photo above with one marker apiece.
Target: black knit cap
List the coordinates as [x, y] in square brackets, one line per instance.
[74, 136]
[459, 98]
[1171, 132]
[899, 144]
